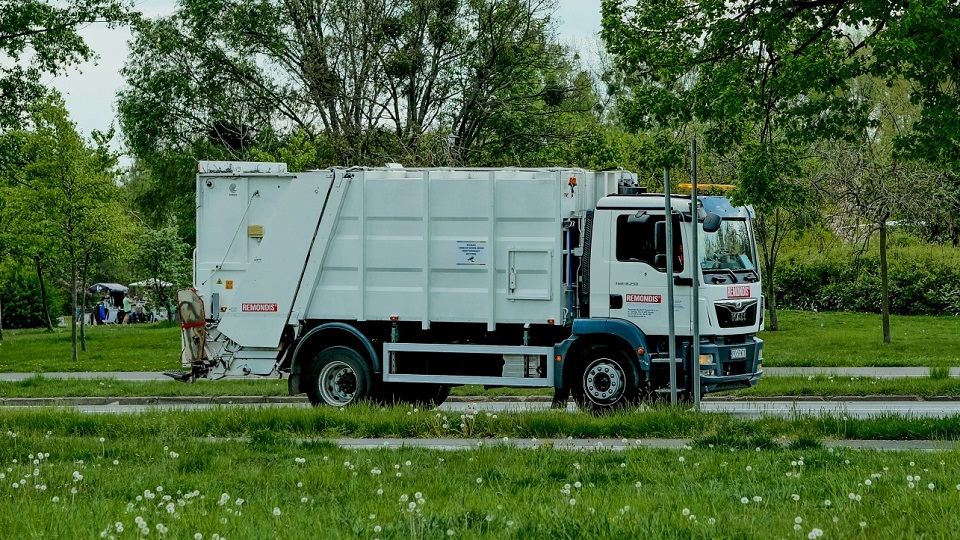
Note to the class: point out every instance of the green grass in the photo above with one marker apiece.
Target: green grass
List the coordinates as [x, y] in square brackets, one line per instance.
[317, 490]
[806, 339]
[139, 347]
[855, 339]
[820, 385]
[824, 385]
[370, 421]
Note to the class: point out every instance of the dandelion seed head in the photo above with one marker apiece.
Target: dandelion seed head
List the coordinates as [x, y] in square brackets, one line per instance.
[276, 511]
[744, 500]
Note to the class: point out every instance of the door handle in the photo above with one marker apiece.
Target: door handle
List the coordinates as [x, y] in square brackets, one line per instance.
[616, 301]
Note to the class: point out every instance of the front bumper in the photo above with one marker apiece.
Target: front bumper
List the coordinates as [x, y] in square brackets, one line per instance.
[710, 383]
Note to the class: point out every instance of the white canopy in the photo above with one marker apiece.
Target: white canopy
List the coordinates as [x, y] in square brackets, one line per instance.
[150, 283]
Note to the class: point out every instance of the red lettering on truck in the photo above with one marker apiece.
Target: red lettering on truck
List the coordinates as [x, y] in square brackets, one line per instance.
[644, 298]
[258, 308]
[738, 291]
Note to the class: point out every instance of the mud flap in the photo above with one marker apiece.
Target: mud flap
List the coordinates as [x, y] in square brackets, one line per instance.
[193, 329]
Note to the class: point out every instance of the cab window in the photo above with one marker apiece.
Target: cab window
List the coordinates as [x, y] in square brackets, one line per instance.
[637, 241]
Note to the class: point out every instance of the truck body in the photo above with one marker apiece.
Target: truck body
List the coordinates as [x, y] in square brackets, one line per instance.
[397, 283]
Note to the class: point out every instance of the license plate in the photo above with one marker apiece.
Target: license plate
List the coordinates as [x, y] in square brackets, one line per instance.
[738, 354]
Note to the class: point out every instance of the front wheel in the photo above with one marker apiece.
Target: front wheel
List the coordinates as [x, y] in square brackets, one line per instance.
[338, 376]
[607, 380]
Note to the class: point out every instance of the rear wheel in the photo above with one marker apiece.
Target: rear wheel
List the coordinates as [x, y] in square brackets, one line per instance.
[607, 380]
[338, 376]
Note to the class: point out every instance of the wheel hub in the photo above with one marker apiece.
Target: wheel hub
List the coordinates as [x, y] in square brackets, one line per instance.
[603, 381]
[337, 383]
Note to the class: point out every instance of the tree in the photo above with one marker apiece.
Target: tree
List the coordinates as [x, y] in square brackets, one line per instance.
[768, 79]
[868, 183]
[67, 195]
[40, 37]
[162, 257]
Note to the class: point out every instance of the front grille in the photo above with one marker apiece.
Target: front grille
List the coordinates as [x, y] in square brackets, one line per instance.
[735, 314]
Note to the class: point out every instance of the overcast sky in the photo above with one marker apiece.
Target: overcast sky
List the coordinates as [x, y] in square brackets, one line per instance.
[90, 89]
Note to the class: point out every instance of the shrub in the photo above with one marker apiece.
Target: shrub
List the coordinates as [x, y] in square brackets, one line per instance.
[923, 280]
[20, 294]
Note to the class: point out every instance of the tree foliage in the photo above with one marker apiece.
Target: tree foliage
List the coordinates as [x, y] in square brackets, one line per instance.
[423, 81]
[65, 196]
[161, 257]
[40, 37]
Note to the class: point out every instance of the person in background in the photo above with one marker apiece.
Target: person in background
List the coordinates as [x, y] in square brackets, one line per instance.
[124, 316]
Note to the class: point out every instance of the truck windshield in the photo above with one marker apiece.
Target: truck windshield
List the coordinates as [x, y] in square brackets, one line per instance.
[728, 249]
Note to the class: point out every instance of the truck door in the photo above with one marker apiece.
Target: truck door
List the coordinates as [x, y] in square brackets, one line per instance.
[638, 276]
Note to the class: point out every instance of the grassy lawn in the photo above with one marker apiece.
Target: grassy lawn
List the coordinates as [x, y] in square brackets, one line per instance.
[806, 339]
[136, 347]
[86, 486]
[173, 468]
[855, 339]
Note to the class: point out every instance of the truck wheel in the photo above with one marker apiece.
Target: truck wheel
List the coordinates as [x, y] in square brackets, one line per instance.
[607, 380]
[338, 376]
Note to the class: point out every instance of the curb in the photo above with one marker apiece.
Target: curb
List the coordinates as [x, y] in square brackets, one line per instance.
[256, 400]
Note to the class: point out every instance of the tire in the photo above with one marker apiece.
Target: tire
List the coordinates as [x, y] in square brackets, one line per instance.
[606, 380]
[338, 376]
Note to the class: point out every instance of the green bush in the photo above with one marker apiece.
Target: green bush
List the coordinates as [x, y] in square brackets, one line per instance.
[20, 294]
[923, 280]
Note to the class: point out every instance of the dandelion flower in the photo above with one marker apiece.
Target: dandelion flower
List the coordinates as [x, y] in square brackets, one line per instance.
[757, 498]
[798, 520]
[863, 524]
[827, 502]
[276, 511]
[479, 480]
[303, 499]
[868, 482]
[573, 502]
[686, 511]
[749, 468]
[638, 484]
[930, 486]
[198, 536]
[449, 532]
[56, 499]
[682, 459]
[744, 500]
[577, 485]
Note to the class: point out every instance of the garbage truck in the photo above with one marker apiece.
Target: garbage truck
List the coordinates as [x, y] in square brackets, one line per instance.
[393, 283]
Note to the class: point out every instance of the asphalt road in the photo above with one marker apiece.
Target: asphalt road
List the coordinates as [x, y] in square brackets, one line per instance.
[738, 408]
[871, 372]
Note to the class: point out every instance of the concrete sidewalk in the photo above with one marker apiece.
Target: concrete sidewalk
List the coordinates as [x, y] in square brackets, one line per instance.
[863, 372]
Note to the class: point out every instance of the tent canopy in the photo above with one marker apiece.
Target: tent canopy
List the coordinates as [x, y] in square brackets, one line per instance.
[151, 282]
[107, 287]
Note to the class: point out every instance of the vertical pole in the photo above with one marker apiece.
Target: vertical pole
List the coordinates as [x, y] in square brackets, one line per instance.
[694, 265]
[672, 346]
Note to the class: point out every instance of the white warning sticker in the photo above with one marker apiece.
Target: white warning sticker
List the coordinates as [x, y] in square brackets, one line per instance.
[471, 253]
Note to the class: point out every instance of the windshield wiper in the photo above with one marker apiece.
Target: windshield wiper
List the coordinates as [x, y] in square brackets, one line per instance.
[722, 271]
[753, 276]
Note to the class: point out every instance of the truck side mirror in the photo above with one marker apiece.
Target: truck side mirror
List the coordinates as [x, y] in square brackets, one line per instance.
[660, 261]
[711, 223]
[660, 237]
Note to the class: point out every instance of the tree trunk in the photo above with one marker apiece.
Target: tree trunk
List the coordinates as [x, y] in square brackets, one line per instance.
[83, 287]
[73, 301]
[884, 284]
[43, 294]
[769, 232]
